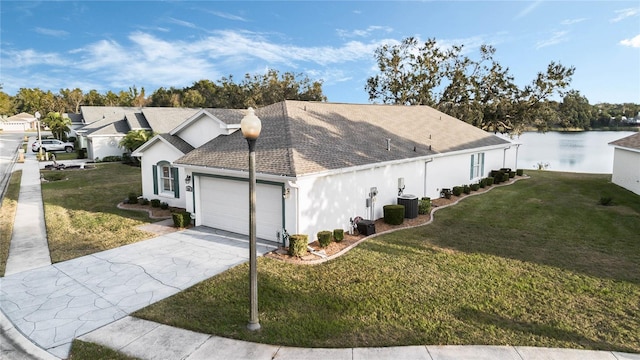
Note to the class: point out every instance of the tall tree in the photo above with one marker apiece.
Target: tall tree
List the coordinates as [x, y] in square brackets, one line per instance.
[71, 100]
[7, 105]
[575, 111]
[480, 92]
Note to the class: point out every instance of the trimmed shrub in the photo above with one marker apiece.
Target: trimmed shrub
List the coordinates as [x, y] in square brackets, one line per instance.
[466, 189]
[324, 238]
[111, 159]
[164, 205]
[298, 244]
[489, 181]
[474, 187]
[338, 235]
[512, 174]
[393, 214]
[520, 172]
[483, 183]
[53, 176]
[457, 190]
[144, 201]
[181, 219]
[505, 177]
[155, 203]
[132, 198]
[424, 205]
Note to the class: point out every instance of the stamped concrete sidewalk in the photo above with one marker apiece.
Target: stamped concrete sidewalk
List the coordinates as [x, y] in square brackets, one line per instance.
[54, 304]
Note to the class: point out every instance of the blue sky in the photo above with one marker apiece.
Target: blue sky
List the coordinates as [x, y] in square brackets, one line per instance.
[112, 45]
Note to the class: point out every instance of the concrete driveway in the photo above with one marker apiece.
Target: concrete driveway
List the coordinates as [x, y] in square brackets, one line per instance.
[54, 304]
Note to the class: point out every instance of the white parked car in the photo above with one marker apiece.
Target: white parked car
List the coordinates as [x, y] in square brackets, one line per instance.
[52, 145]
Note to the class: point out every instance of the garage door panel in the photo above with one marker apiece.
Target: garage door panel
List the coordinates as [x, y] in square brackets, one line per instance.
[225, 205]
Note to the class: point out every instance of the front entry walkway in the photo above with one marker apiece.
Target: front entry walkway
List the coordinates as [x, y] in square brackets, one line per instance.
[54, 304]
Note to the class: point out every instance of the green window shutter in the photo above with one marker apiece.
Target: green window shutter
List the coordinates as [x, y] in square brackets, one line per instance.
[176, 182]
[471, 171]
[482, 164]
[155, 179]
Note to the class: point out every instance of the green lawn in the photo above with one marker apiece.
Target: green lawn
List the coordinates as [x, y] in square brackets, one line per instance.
[81, 214]
[536, 263]
[7, 216]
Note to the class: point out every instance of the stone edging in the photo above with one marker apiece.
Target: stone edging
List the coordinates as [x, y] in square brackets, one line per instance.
[345, 250]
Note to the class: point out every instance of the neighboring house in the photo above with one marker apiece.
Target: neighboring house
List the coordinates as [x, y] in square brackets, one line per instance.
[318, 164]
[626, 163]
[105, 126]
[19, 122]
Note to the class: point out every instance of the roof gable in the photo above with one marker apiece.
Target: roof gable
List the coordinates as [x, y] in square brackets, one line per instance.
[301, 137]
[171, 140]
[225, 118]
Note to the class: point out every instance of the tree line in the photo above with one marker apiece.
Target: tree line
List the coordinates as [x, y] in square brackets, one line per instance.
[480, 91]
[253, 90]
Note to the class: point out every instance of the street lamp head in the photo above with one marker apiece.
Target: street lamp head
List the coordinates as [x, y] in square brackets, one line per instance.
[250, 125]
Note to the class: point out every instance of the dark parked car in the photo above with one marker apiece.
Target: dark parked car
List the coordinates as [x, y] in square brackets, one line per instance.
[52, 145]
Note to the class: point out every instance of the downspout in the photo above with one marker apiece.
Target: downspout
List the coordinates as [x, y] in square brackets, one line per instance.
[297, 187]
[425, 177]
[517, 148]
[504, 156]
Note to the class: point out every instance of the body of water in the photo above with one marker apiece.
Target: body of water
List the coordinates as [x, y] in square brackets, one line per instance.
[584, 152]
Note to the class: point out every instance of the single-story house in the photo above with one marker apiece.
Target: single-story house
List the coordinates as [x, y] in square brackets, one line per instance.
[626, 163]
[19, 122]
[318, 164]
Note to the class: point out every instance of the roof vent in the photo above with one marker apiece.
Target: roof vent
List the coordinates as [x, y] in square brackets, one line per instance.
[388, 144]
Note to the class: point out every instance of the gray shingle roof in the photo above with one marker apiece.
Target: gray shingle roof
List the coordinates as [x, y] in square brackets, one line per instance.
[301, 137]
[178, 143]
[120, 127]
[164, 119]
[137, 121]
[631, 141]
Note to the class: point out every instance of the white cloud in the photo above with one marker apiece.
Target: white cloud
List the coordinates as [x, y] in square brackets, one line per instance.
[52, 32]
[29, 57]
[633, 42]
[528, 9]
[363, 32]
[227, 16]
[182, 23]
[557, 38]
[625, 13]
[572, 21]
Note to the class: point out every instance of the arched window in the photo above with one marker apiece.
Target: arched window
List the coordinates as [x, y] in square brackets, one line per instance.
[165, 179]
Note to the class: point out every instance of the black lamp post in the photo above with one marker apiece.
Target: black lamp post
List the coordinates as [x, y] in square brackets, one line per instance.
[251, 126]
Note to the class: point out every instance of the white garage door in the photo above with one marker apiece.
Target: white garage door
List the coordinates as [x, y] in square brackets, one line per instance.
[225, 205]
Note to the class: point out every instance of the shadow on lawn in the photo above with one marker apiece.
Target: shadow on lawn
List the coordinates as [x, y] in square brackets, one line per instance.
[529, 329]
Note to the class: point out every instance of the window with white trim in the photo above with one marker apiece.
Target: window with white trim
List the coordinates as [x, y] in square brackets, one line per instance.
[477, 166]
[165, 179]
